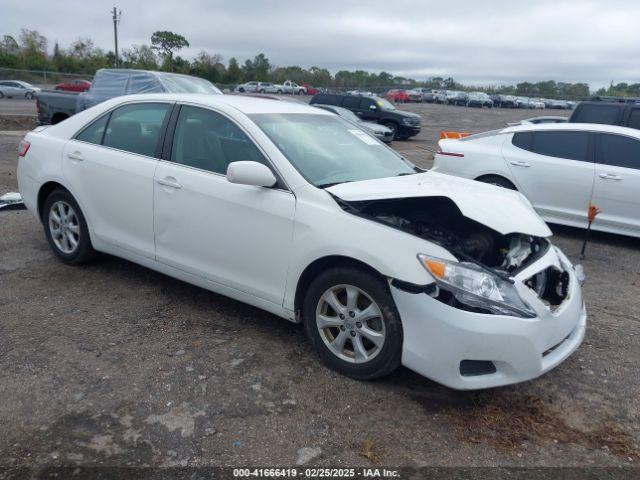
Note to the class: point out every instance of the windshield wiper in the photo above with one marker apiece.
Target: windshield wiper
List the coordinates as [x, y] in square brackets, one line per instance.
[330, 184]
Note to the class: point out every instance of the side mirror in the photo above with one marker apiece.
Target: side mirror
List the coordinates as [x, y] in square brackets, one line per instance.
[250, 173]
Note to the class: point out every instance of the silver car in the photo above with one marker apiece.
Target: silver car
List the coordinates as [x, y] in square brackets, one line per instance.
[379, 131]
[17, 89]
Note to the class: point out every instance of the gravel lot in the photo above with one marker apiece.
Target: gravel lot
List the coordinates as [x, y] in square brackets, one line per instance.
[114, 364]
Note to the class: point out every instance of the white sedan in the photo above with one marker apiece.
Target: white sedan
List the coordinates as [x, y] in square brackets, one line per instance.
[561, 168]
[298, 212]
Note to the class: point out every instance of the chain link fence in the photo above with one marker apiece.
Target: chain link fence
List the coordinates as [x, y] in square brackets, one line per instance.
[40, 78]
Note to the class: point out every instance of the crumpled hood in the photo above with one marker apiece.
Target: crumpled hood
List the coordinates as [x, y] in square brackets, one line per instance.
[502, 210]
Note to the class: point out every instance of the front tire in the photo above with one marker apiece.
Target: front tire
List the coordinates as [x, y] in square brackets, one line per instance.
[66, 229]
[29, 95]
[353, 323]
[394, 129]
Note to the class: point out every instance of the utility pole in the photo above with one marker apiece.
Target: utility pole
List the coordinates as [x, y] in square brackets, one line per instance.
[116, 19]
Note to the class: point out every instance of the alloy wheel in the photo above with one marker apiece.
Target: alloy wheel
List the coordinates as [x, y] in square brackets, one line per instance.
[350, 324]
[64, 227]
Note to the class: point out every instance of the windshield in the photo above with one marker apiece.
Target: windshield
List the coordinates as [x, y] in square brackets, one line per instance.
[384, 104]
[186, 84]
[328, 150]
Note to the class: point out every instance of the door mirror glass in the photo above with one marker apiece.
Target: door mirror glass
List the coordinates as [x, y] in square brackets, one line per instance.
[250, 173]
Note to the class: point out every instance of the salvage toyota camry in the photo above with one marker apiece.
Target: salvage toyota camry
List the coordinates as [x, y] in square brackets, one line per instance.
[293, 210]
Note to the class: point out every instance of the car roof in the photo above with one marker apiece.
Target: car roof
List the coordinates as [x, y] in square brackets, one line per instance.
[592, 127]
[244, 104]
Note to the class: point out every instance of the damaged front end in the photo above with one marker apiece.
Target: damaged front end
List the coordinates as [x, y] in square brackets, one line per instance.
[482, 278]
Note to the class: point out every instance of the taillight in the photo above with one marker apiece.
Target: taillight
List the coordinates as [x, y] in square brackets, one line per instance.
[450, 154]
[23, 148]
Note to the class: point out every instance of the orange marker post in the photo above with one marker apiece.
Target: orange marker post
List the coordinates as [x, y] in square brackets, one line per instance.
[592, 213]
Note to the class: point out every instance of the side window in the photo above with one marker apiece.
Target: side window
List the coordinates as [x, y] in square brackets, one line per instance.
[144, 83]
[634, 118]
[523, 140]
[136, 128]
[351, 102]
[93, 133]
[604, 114]
[618, 151]
[366, 103]
[570, 145]
[209, 141]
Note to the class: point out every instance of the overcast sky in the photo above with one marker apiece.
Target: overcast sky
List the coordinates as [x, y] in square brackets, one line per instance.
[477, 42]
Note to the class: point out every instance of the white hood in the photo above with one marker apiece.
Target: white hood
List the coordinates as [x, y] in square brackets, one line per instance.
[502, 210]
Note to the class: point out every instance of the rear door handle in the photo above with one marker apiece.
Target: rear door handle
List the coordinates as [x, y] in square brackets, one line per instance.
[169, 182]
[520, 164]
[77, 156]
[610, 176]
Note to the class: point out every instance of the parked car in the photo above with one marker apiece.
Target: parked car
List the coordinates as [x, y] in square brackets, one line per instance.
[538, 103]
[415, 95]
[524, 102]
[74, 86]
[538, 120]
[292, 210]
[381, 132]
[375, 109]
[309, 89]
[247, 87]
[398, 95]
[292, 88]
[558, 104]
[561, 168]
[607, 113]
[504, 101]
[268, 87]
[453, 97]
[17, 89]
[428, 95]
[479, 99]
[56, 106]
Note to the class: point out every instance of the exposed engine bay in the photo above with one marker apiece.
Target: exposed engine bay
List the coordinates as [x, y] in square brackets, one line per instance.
[439, 220]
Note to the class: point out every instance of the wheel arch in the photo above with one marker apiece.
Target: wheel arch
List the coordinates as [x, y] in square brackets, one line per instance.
[482, 177]
[321, 264]
[45, 190]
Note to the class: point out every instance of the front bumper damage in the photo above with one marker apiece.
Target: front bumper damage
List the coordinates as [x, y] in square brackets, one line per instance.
[467, 350]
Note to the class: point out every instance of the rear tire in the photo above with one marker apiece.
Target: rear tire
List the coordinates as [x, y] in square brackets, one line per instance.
[498, 181]
[66, 229]
[343, 342]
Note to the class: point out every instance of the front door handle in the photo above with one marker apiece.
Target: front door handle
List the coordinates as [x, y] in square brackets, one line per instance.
[520, 164]
[77, 156]
[169, 182]
[610, 176]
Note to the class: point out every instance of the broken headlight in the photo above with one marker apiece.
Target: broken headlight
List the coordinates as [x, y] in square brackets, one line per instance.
[476, 287]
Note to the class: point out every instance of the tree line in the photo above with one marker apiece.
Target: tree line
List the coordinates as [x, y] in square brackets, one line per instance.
[30, 51]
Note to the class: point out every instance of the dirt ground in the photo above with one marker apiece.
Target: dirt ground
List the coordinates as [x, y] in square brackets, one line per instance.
[114, 364]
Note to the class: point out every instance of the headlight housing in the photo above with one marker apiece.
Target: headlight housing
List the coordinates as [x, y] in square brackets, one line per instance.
[476, 287]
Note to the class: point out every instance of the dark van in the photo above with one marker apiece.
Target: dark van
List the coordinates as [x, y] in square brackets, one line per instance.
[375, 109]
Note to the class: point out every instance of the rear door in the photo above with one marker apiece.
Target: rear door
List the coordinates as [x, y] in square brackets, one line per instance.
[554, 169]
[617, 182]
[110, 166]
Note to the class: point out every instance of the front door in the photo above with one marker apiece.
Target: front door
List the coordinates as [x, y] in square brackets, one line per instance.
[617, 182]
[235, 235]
